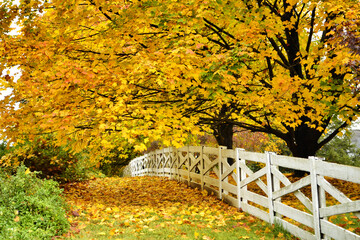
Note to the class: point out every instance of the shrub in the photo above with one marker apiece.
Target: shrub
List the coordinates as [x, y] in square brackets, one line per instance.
[341, 150]
[30, 208]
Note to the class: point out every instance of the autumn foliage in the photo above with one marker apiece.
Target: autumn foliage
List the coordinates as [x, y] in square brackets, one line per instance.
[106, 74]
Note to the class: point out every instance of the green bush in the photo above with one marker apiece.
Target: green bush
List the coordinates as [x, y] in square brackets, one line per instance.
[30, 208]
[341, 150]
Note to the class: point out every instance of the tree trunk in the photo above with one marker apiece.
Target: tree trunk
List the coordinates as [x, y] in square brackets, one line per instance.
[303, 143]
[223, 134]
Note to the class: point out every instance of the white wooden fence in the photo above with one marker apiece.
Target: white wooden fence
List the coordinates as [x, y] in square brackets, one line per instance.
[208, 168]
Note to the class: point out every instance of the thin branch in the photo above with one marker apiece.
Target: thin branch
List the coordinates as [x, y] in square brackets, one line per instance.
[311, 30]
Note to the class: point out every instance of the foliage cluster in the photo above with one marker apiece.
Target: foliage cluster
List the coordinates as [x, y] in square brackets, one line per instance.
[51, 161]
[30, 208]
[104, 72]
[60, 163]
[341, 150]
[116, 159]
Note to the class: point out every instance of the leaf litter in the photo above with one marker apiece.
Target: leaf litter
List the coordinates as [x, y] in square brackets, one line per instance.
[154, 208]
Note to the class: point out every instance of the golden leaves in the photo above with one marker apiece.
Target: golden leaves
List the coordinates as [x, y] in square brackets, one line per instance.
[146, 204]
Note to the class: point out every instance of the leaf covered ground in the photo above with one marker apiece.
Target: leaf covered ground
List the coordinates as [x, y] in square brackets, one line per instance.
[155, 208]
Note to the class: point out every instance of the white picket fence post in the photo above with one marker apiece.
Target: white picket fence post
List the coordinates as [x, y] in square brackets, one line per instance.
[315, 197]
[270, 185]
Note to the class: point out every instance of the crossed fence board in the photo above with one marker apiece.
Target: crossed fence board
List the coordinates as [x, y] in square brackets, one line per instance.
[226, 173]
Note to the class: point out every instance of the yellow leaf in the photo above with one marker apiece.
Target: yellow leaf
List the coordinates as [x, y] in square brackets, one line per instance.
[17, 219]
[112, 232]
[27, 171]
[204, 193]
[280, 235]
[196, 235]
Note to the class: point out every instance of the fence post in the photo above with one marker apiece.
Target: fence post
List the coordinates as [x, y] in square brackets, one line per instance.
[322, 200]
[158, 161]
[238, 172]
[202, 167]
[177, 159]
[220, 170]
[188, 163]
[171, 162]
[315, 197]
[270, 185]
[153, 163]
[163, 159]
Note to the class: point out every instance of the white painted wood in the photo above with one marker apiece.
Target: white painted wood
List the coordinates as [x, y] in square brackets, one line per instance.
[298, 232]
[228, 171]
[230, 200]
[229, 187]
[256, 212]
[220, 166]
[195, 149]
[238, 175]
[195, 177]
[202, 167]
[255, 198]
[228, 153]
[303, 182]
[211, 181]
[291, 162]
[343, 172]
[211, 150]
[242, 162]
[302, 198]
[269, 179]
[297, 215]
[334, 192]
[253, 177]
[253, 156]
[315, 197]
[340, 209]
[337, 232]
[246, 170]
[209, 165]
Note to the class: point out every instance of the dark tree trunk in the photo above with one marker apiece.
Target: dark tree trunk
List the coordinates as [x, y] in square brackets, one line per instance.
[303, 143]
[223, 134]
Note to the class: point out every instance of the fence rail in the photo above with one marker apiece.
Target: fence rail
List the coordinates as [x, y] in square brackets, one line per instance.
[227, 174]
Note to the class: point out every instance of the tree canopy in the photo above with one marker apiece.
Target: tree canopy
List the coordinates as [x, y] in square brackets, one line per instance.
[105, 73]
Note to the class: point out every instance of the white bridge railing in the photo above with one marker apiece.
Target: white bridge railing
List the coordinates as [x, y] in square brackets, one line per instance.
[226, 173]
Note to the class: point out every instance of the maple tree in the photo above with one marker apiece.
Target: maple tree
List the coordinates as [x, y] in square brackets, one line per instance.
[106, 73]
